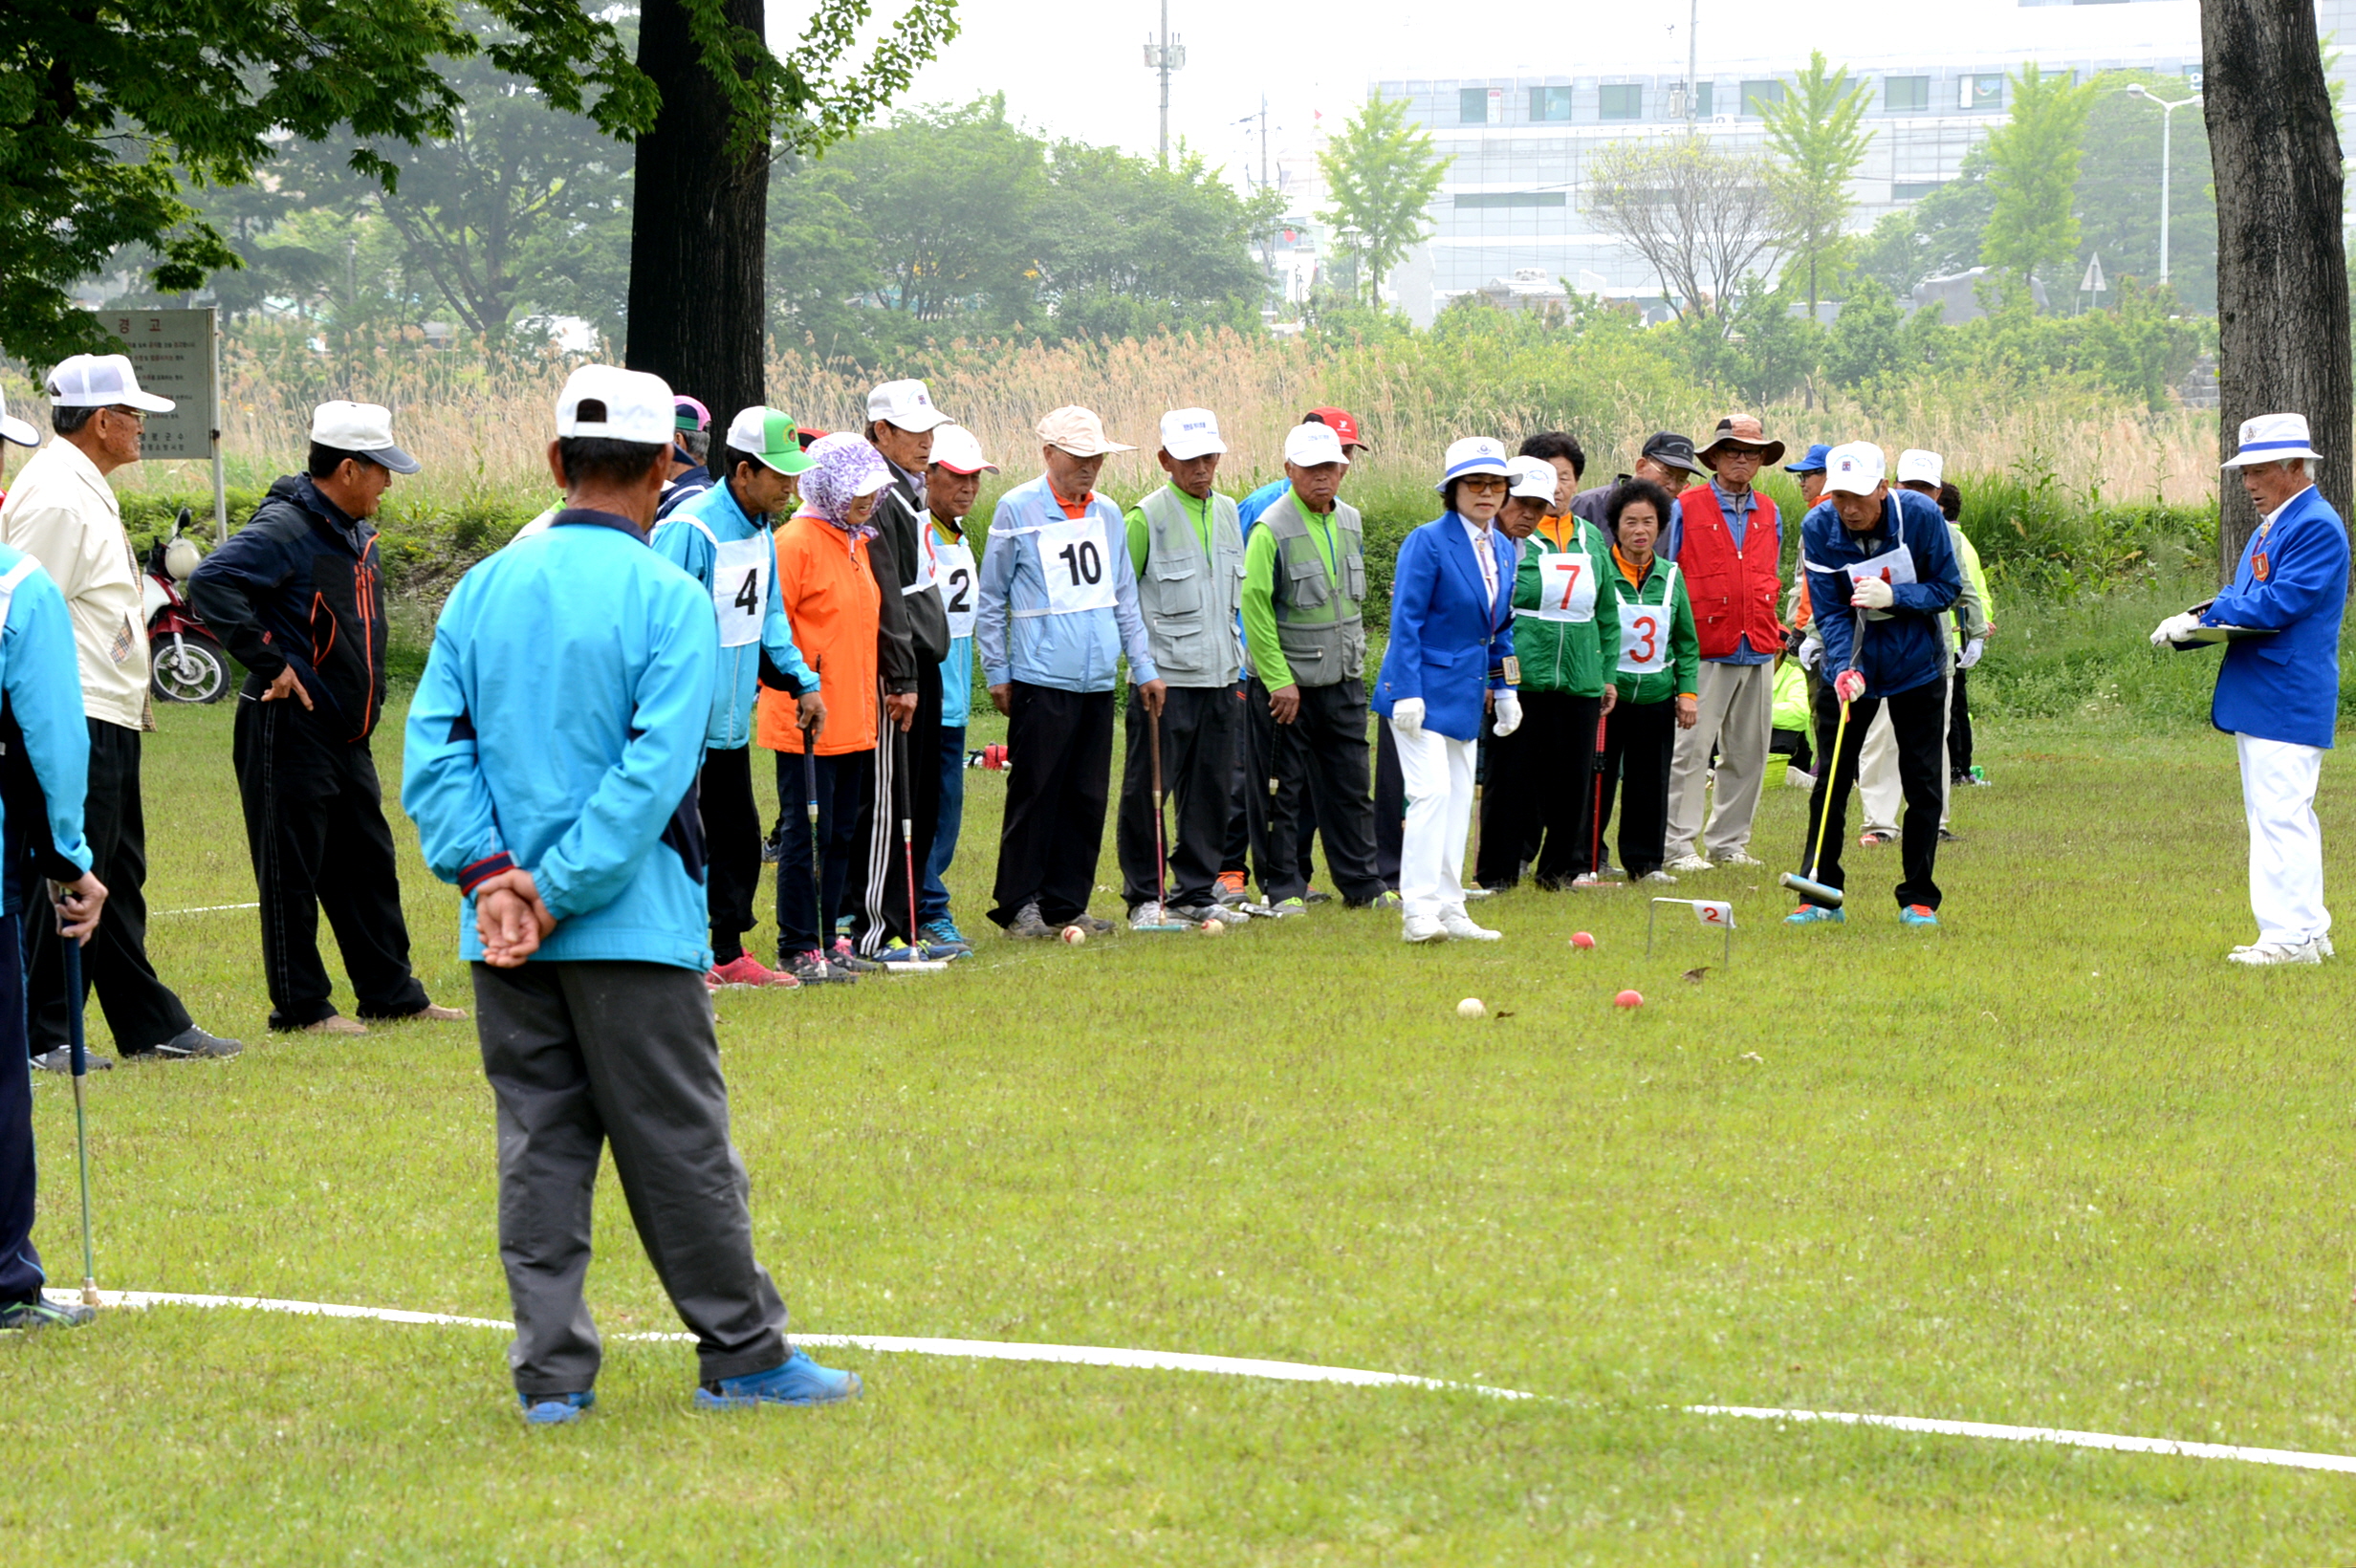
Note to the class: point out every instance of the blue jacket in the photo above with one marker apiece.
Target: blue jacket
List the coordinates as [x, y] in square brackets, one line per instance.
[680, 541]
[559, 727]
[1908, 648]
[1447, 645]
[40, 680]
[2293, 576]
[680, 490]
[1013, 633]
[1247, 510]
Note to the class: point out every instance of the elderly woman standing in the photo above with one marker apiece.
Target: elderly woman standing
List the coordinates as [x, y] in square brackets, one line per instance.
[828, 609]
[1452, 643]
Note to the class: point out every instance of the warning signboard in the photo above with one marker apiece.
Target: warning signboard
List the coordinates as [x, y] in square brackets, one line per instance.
[174, 353]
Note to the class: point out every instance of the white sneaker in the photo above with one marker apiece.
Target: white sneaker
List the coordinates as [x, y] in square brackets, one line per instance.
[1422, 929]
[1794, 778]
[1147, 913]
[1689, 863]
[1588, 879]
[1656, 875]
[2278, 953]
[1459, 926]
[2323, 945]
[1739, 857]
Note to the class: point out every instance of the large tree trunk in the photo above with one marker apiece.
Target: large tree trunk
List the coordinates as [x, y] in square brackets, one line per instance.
[698, 228]
[2282, 310]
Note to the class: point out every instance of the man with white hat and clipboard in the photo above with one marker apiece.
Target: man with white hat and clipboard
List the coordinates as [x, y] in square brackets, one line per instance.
[2277, 691]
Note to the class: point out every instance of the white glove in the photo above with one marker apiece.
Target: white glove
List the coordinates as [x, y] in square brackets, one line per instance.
[2175, 629]
[1873, 594]
[1972, 651]
[1811, 653]
[1407, 717]
[1509, 714]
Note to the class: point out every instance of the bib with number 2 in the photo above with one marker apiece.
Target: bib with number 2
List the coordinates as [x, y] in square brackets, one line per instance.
[1566, 586]
[952, 569]
[1080, 574]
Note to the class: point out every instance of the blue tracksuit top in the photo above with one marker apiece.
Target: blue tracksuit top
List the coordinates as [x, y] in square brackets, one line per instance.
[42, 683]
[1013, 633]
[1909, 648]
[559, 726]
[2293, 576]
[687, 538]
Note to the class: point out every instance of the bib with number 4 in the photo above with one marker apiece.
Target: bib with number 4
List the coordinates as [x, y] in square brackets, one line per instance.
[952, 569]
[1078, 572]
[1566, 586]
[740, 587]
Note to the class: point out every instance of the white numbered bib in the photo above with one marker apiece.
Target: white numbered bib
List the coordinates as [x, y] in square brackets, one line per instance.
[740, 587]
[953, 569]
[1644, 638]
[1080, 574]
[1894, 565]
[1566, 586]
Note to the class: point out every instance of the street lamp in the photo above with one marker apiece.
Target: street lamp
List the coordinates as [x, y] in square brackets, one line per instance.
[2167, 120]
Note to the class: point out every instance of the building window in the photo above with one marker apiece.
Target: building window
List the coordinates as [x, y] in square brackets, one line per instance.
[1623, 102]
[1472, 106]
[1980, 93]
[1512, 198]
[1903, 94]
[1701, 105]
[1550, 104]
[1913, 190]
[1757, 93]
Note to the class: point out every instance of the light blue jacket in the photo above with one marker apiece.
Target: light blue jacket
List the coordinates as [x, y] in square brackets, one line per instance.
[42, 683]
[1013, 633]
[559, 727]
[687, 539]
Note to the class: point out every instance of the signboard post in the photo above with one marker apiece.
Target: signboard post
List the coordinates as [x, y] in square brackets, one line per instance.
[178, 355]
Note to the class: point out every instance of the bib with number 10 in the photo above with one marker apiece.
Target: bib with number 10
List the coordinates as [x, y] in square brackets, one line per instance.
[1080, 576]
[1566, 586]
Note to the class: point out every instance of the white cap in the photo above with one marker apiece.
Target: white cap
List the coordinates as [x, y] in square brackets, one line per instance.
[1534, 478]
[1313, 446]
[1190, 433]
[13, 428]
[1855, 467]
[102, 380]
[362, 427]
[1918, 466]
[2272, 438]
[907, 405]
[1078, 431]
[631, 406]
[954, 447]
[1473, 454]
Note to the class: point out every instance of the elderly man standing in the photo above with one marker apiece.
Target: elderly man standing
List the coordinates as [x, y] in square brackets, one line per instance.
[1667, 460]
[63, 513]
[2278, 694]
[1727, 540]
[298, 599]
[1057, 608]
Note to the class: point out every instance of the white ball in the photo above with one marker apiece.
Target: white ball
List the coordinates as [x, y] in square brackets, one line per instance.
[1213, 927]
[1470, 1008]
[1073, 935]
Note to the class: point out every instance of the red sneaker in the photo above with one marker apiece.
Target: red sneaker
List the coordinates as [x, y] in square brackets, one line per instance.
[746, 970]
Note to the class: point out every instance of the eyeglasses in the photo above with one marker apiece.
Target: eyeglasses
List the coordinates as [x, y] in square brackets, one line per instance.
[132, 414]
[1484, 483]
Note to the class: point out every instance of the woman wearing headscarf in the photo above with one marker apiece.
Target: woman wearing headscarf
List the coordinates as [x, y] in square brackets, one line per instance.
[829, 606]
[1452, 648]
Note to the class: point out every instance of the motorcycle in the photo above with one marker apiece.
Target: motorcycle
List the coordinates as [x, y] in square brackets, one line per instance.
[186, 663]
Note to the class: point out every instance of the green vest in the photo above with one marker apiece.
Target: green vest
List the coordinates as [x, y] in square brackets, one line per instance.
[1191, 601]
[1317, 621]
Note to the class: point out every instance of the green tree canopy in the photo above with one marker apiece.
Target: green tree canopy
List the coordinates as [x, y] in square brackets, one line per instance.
[2033, 176]
[2118, 193]
[1382, 175]
[1817, 133]
[1937, 236]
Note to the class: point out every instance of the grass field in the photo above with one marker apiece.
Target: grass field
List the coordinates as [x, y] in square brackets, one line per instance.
[2053, 1164]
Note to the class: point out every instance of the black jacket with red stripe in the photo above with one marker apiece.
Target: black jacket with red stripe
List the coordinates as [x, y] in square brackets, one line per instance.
[300, 586]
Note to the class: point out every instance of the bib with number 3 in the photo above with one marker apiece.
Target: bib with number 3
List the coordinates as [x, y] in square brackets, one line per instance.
[1644, 638]
[1080, 574]
[1566, 586]
[740, 587]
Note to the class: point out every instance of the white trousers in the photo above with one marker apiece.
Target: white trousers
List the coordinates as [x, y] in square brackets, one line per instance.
[1737, 706]
[1877, 770]
[1438, 775]
[2286, 842]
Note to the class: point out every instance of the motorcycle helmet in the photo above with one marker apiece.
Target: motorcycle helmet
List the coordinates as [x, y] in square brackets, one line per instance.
[180, 559]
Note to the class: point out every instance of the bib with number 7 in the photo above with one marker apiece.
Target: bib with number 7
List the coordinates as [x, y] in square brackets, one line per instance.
[1079, 571]
[1566, 586]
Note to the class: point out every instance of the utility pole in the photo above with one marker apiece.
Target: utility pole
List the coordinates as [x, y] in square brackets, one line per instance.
[1694, 66]
[1164, 57]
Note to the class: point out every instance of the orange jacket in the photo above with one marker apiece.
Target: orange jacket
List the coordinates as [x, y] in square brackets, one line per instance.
[828, 591]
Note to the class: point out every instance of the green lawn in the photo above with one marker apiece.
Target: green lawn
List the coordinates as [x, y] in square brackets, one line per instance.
[2056, 1164]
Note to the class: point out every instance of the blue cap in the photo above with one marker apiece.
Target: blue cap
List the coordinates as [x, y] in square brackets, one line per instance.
[1811, 461]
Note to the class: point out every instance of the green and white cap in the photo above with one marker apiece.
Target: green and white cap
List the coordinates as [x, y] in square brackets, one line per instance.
[769, 435]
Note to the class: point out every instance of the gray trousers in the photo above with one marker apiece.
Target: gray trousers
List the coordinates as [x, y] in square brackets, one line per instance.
[584, 1055]
[1738, 717]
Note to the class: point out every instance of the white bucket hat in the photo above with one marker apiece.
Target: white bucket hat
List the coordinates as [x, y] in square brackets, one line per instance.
[2272, 438]
[1474, 455]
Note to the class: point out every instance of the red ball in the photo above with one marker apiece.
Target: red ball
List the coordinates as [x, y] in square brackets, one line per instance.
[1629, 999]
[1582, 939]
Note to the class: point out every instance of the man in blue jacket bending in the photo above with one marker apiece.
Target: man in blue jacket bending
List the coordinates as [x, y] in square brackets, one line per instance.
[566, 811]
[1882, 576]
[2279, 694]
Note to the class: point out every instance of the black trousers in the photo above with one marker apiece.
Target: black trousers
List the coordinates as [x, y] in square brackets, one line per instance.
[141, 1010]
[1059, 748]
[20, 1264]
[1917, 720]
[1542, 778]
[1959, 727]
[1390, 806]
[1639, 739]
[1319, 761]
[907, 778]
[1198, 750]
[806, 915]
[732, 847]
[1237, 854]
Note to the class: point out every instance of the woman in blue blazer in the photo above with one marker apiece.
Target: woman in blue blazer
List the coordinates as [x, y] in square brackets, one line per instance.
[1452, 643]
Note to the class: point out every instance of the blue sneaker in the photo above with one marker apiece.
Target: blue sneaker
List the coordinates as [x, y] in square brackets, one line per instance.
[1808, 914]
[1918, 914]
[556, 1409]
[942, 940]
[900, 952]
[800, 1381]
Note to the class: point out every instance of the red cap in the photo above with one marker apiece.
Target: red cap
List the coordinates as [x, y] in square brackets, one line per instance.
[804, 435]
[1342, 424]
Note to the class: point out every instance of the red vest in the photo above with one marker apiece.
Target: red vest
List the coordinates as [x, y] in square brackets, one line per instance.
[1733, 591]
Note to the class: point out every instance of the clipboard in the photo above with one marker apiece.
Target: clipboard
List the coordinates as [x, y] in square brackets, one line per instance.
[2207, 637]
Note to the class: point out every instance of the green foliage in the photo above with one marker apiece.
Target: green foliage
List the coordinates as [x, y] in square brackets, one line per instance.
[1938, 236]
[1818, 132]
[1759, 348]
[1380, 174]
[2119, 189]
[2033, 176]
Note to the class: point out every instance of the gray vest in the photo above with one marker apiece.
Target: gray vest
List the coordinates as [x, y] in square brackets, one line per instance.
[1318, 623]
[1189, 602]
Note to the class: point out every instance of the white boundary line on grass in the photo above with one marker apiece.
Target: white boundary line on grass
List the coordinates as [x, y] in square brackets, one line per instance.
[206, 909]
[1174, 1360]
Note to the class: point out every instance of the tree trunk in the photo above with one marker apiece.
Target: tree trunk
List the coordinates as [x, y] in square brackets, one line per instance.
[698, 228]
[2283, 307]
